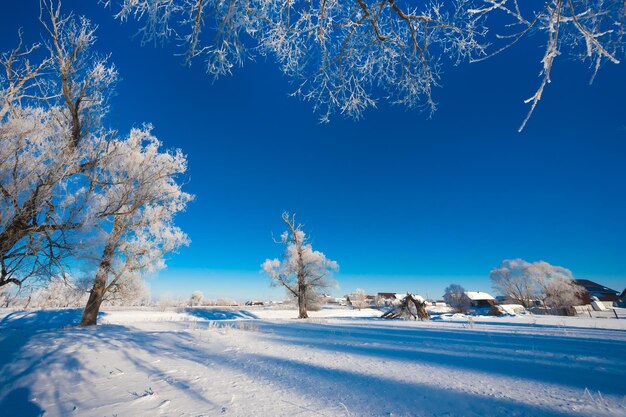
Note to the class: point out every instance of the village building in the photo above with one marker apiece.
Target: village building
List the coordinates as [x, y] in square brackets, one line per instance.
[598, 292]
[480, 299]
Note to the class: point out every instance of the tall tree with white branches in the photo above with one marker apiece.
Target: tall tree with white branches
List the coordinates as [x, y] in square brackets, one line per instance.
[302, 270]
[134, 213]
[50, 136]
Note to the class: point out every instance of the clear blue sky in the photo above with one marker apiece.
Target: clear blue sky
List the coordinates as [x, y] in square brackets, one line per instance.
[400, 201]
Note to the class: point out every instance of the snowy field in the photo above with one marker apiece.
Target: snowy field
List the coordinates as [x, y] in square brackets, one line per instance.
[261, 362]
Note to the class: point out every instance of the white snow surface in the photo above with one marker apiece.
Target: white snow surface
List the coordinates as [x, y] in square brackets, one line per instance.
[340, 362]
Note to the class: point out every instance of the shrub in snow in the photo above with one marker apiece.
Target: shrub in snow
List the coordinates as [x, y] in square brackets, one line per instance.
[130, 291]
[454, 295]
[358, 299]
[60, 292]
[196, 299]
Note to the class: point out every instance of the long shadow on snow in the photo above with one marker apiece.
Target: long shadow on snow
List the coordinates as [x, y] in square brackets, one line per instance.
[522, 325]
[531, 357]
[209, 314]
[464, 338]
[355, 390]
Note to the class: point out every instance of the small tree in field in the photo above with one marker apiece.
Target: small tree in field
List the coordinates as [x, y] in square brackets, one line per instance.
[358, 299]
[454, 296]
[302, 270]
[196, 299]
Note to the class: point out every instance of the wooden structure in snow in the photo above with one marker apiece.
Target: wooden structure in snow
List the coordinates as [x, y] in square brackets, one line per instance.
[410, 308]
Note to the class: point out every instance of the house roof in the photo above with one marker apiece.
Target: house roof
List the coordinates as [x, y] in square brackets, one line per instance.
[594, 287]
[478, 295]
[391, 295]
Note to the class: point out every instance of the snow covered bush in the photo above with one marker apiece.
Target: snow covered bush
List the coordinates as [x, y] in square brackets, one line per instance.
[358, 300]
[454, 296]
[132, 290]
[196, 299]
[61, 292]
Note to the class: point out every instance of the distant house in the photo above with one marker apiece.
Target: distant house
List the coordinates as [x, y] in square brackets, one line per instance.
[479, 299]
[369, 300]
[386, 299]
[606, 295]
[622, 298]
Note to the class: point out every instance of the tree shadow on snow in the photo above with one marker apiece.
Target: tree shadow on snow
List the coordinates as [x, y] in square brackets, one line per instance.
[17, 403]
[354, 388]
[209, 314]
[563, 361]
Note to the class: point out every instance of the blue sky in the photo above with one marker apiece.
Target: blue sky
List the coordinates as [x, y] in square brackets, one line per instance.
[401, 202]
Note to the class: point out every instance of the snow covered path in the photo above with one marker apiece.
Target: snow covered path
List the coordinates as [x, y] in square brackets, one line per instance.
[207, 363]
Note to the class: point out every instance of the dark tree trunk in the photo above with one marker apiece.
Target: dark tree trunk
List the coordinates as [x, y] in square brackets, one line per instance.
[302, 313]
[90, 314]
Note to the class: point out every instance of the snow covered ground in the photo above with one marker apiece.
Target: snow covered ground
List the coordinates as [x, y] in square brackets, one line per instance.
[262, 362]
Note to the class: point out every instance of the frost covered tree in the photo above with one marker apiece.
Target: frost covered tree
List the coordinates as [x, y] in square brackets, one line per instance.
[527, 282]
[358, 299]
[556, 285]
[134, 212]
[196, 298]
[50, 138]
[454, 296]
[60, 292]
[513, 280]
[130, 291]
[302, 270]
[344, 56]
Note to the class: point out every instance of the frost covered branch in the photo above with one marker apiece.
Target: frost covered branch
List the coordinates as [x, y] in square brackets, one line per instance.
[345, 56]
[588, 30]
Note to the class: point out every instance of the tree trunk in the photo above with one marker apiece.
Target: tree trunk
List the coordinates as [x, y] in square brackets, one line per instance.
[302, 313]
[96, 296]
[90, 314]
